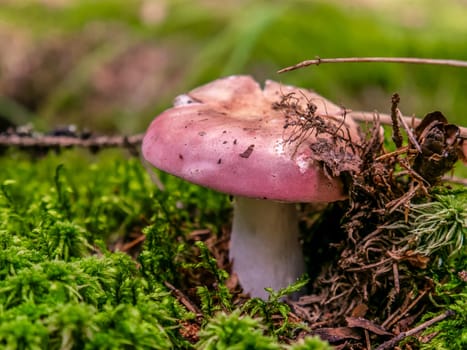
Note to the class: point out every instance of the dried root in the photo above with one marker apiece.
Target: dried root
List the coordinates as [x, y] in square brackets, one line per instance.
[378, 262]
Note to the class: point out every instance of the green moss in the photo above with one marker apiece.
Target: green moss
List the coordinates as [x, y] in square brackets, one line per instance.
[60, 286]
[310, 343]
[233, 331]
[439, 230]
[451, 293]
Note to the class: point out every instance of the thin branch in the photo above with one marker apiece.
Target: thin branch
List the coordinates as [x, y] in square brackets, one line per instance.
[412, 60]
[67, 141]
[390, 344]
[394, 318]
[396, 133]
[410, 135]
[386, 119]
[455, 180]
[183, 299]
[395, 272]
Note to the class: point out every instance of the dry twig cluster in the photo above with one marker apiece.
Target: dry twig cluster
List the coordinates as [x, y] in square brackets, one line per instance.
[375, 273]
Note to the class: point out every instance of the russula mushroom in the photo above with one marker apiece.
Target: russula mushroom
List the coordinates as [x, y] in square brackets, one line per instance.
[232, 136]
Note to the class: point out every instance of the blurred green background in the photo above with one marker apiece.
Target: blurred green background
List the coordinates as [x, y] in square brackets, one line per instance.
[112, 65]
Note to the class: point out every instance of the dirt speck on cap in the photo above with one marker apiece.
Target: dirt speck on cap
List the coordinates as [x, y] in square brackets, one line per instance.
[247, 153]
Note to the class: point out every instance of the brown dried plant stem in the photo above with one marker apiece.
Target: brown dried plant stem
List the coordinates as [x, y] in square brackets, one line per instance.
[65, 141]
[396, 133]
[317, 61]
[183, 299]
[386, 119]
[390, 344]
[456, 180]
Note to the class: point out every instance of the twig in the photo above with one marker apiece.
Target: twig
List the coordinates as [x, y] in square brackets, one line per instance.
[46, 142]
[386, 119]
[404, 199]
[367, 339]
[392, 319]
[67, 141]
[408, 131]
[127, 246]
[392, 342]
[396, 132]
[370, 266]
[395, 272]
[317, 61]
[182, 298]
[455, 180]
[395, 153]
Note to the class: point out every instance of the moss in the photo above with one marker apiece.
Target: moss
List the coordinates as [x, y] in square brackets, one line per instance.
[62, 288]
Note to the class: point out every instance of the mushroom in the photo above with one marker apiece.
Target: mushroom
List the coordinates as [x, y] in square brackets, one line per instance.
[261, 146]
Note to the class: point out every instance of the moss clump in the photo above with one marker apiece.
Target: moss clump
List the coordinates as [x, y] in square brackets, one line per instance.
[64, 284]
[60, 287]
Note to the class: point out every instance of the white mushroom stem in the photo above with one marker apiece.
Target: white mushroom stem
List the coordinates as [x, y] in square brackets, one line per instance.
[265, 246]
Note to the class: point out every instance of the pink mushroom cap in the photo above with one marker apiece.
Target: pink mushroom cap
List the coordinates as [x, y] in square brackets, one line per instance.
[227, 135]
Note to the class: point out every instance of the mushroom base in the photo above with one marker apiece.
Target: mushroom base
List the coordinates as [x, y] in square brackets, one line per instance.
[265, 246]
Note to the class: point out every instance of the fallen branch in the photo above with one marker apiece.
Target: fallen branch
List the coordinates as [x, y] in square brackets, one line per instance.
[67, 141]
[390, 344]
[317, 61]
